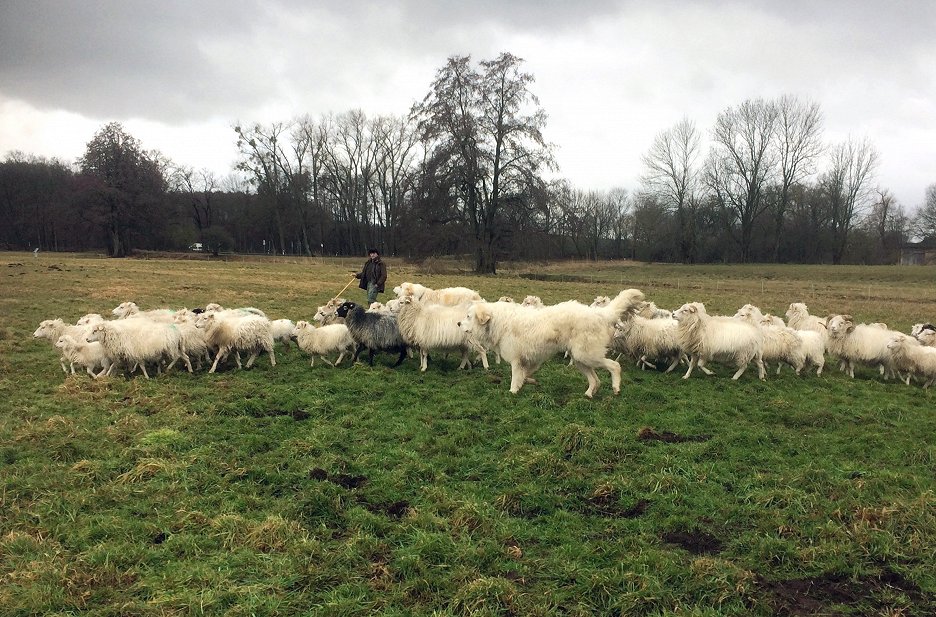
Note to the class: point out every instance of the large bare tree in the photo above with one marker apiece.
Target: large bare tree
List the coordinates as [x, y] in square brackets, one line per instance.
[488, 123]
[742, 162]
[673, 176]
[847, 186]
[799, 145]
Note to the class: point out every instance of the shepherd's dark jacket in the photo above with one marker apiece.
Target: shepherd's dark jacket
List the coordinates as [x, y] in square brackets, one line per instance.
[374, 270]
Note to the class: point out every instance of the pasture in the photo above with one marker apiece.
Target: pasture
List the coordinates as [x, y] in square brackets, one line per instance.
[359, 491]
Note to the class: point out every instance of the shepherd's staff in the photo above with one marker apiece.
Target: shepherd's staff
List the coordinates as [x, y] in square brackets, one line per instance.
[343, 290]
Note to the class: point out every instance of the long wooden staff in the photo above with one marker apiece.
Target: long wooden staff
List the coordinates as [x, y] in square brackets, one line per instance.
[343, 290]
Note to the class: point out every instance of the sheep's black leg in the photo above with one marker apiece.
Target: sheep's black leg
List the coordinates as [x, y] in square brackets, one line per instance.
[370, 357]
[357, 352]
[401, 358]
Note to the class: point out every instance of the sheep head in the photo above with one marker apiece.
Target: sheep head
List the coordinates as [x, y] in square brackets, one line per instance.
[506, 299]
[345, 308]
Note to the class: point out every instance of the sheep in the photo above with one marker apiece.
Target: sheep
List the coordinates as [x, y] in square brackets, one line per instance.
[506, 299]
[920, 328]
[927, 337]
[434, 327]
[798, 318]
[282, 331]
[859, 343]
[532, 301]
[194, 340]
[126, 310]
[704, 337]
[89, 319]
[908, 354]
[648, 339]
[812, 343]
[324, 340]
[378, 307]
[451, 296]
[394, 305]
[373, 331]
[781, 344]
[326, 315]
[600, 301]
[134, 342]
[213, 307]
[52, 329]
[248, 333]
[89, 355]
[649, 310]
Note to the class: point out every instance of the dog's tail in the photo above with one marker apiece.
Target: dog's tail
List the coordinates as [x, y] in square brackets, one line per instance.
[623, 305]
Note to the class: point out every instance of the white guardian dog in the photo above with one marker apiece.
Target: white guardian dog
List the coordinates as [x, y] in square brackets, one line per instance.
[526, 337]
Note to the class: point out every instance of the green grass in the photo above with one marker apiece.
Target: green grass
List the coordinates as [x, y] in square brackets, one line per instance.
[359, 491]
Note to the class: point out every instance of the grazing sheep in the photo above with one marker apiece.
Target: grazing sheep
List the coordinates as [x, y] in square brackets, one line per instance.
[324, 340]
[861, 343]
[89, 355]
[134, 342]
[52, 329]
[227, 333]
[648, 339]
[434, 327]
[909, 355]
[451, 296]
[373, 331]
[527, 337]
[798, 318]
[704, 338]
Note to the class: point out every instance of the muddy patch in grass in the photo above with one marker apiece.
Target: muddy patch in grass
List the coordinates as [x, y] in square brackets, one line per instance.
[876, 594]
[608, 506]
[341, 479]
[696, 542]
[649, 434]
[395, 509]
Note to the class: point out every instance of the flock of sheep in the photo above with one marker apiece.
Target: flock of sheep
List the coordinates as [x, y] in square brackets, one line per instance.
[524, 334]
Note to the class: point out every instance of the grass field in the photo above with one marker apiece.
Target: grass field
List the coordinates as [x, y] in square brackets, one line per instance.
[359, 490]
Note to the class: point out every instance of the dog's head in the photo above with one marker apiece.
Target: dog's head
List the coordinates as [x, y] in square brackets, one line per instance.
[479, 314]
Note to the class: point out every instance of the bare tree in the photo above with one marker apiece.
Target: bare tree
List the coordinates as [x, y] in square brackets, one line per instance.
[742, 162]
[397, 142]
[799, 144]
[489, 125]
[262, 152]
[673, 176]
[846, 186]
[925, 221]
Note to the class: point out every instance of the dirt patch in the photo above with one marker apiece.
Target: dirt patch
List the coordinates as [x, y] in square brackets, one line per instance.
[607, 505]
[649, 434]
[814, 596]
[347, 481]
[696, 542]
[395, 509]
[318, 474]
[160, 537]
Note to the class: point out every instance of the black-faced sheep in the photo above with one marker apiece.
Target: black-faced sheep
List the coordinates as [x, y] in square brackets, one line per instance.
[373, 331]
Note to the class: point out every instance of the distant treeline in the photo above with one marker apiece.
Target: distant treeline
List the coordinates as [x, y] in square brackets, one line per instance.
[468, 172]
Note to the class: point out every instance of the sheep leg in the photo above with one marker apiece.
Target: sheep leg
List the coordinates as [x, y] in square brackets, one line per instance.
[740, 372]
[465, 360]
[64, 368]
[370, 357]
[222, 352]
[357, 352]
[253, 358]
[692, 364]
[424, 360]
[325, 360]
[761, 371]
[142, 366]
[272, 354]
[672, 365]
[401, 358]
[340, 358]
[703, 368]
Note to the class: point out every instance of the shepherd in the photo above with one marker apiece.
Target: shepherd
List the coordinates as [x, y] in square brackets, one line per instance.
[373, 276]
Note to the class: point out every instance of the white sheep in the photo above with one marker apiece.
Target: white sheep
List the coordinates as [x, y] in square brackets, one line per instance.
[52, 329]
[704, 337]
[90, 319]
[506, 299]
[781, 344]
[648, 339]
[128, 309]
[282, 330]
[194, 341]
[214, 307]
[798, 318]
[600, 301]
[324, 340]
[909, 355]
[861, 343]
[434, 327]
[812, 343]
[89, 355]
[326, 314]
[927, 337]
[134, 342]
[450, 296]
[248, 333]
[649, 310]
[532, 301]
[378, 307]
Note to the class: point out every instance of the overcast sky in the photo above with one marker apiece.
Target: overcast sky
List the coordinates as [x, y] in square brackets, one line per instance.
[610, 74]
